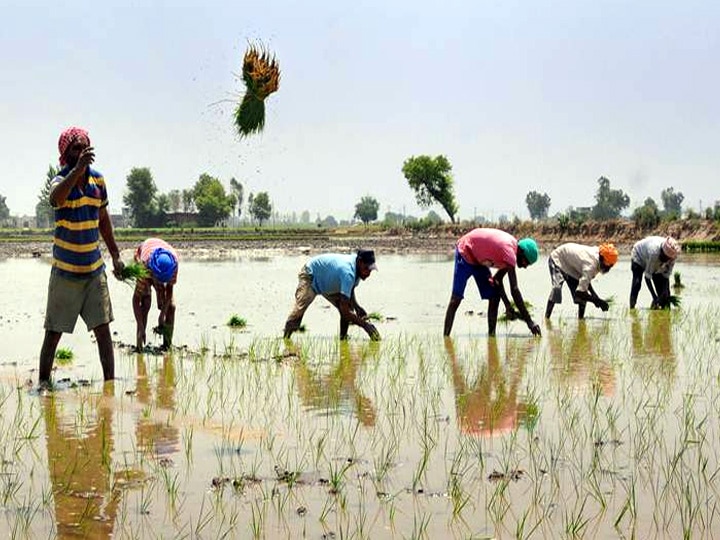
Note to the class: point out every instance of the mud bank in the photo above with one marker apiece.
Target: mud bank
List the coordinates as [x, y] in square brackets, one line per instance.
[439, 240]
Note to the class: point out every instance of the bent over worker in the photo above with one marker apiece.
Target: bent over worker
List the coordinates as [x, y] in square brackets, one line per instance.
[334, 276]
[577, 265]
[478, 251]
[654, 258]
[161, 260]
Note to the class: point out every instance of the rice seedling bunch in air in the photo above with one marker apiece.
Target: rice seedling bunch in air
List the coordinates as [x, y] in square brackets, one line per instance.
[261, 75]
[133, 272]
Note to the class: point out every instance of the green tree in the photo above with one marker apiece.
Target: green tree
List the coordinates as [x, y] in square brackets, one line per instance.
[393, 219]
[538, 204]
[237, 189]
[647, 216]
[212, 203]
[260, 207]
[609, 203]
[174, 200]
[4, 210]
[188, 200]
[367, 209]
[44, 212]
[431, 180]
[672, 203]
[141, 198]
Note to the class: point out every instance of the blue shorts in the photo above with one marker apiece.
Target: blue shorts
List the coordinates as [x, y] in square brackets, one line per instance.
[463, 271]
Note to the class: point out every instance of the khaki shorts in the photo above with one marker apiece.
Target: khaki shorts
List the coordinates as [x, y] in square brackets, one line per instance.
[68, 298]
[304, 296]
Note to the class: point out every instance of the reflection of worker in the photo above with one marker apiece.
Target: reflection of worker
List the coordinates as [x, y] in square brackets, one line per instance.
[157, 436]
[654, 258]
[336, 389]
[79, 465]
[654, 343]
[478, 251]
[577, 265]
[161, 260]
[78, 286]
[490, 405]
[576, 359]
[335, 277]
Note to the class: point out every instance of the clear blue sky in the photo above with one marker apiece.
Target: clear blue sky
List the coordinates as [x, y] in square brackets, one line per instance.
[519, 95]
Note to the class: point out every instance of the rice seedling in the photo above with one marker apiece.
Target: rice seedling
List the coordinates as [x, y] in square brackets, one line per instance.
[134, 272]
[376, 316]
[261, 75]
[236, 321]
[677, 280]
[513, 314]
[64, 356]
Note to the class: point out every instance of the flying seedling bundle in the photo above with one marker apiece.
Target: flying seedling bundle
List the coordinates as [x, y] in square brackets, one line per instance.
[261, 75]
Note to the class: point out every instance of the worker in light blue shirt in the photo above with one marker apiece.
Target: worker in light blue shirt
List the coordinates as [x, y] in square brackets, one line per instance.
[335, 277]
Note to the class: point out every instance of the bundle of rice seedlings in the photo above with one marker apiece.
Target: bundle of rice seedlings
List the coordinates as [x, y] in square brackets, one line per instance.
[261, 75]
[133, 272]
[376, 316]
[163, 331]
[64, 356]
[237, 322]
[514, 313]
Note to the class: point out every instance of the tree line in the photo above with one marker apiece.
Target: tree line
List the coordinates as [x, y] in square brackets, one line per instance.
[208, 203]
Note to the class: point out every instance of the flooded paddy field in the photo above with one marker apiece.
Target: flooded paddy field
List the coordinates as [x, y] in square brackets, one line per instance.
[607, 427]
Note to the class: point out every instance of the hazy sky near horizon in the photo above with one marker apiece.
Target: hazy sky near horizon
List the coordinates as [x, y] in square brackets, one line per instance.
[519, 95]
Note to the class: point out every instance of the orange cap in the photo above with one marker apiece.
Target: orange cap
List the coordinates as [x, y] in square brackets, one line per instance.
[609, 253]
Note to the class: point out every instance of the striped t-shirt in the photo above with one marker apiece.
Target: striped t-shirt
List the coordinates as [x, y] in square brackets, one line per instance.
[146, 249]
[76, 247]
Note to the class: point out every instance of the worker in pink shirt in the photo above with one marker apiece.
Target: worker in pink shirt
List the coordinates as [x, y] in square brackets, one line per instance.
[475, 254]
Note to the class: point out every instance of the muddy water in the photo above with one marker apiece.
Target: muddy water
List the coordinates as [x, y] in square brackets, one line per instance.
[234, 432]
[411, 291]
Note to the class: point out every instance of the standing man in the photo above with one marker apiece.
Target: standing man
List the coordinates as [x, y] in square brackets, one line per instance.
[335, 277]
[161, 261]
[577, 265]
[654, 257]
[78, 285]
[477, 252]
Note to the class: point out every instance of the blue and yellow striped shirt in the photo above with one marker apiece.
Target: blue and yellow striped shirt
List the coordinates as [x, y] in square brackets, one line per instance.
[76, 249]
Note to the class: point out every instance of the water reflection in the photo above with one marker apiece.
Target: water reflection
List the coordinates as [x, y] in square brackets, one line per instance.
[577, 358]
[489, 405]
[652, 345]
[155, 434]
[336, 389]
[79, 450]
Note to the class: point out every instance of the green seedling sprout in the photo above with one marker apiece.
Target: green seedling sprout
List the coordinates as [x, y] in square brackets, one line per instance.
[236, 321]
[64, 356]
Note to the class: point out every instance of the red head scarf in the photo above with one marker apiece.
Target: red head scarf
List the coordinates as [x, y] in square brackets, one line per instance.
[67, 138]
